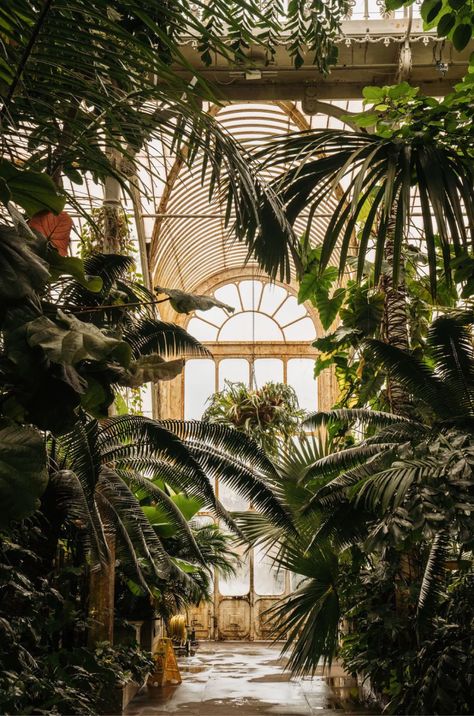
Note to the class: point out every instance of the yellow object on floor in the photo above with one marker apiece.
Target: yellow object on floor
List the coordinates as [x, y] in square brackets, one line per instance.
[177, 628]
[166, 667]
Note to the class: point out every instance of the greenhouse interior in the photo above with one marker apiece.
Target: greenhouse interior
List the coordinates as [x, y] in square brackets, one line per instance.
[236, 357]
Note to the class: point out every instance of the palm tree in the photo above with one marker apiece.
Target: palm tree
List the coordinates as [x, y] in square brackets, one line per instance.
[95, 470]
[407, 485]
[383, 171]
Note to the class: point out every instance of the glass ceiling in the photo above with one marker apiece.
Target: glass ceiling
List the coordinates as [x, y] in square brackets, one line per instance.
[187, 242]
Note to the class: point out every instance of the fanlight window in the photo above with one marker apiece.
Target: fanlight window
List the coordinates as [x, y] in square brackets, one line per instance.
[262, 312]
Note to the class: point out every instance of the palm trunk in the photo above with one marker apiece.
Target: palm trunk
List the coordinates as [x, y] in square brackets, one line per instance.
[102, 580]
[394, 322]
[112, 208]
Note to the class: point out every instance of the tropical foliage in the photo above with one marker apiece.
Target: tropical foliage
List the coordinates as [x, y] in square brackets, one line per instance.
[419, 142]
[385, 534]
[452, 18]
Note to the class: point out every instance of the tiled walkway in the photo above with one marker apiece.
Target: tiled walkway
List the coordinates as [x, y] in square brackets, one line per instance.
[230, 678]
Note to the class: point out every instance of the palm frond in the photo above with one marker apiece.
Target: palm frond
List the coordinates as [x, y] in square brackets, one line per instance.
[79, 451]
[295, 458]
[345, 459]
[176, 517]
[450, 343]
[257, 528]
[344, 526]
[150, 335]
[215, 546]
[109, 267]
[74, 507]
[308, 620]
[433, 578]
[114, 519]
[336, 490]
[224, 439]
[414, 375]
[385, 169]
[389, 487]
[180, 478]
[362, 416]
[245, 481]
[140, 533]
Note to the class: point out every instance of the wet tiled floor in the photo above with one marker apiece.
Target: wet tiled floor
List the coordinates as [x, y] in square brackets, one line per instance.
[230, 678]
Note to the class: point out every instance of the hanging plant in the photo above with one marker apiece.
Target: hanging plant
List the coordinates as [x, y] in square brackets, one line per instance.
[270, 414]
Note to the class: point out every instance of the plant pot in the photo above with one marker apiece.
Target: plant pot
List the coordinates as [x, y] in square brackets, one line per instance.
[120, 697]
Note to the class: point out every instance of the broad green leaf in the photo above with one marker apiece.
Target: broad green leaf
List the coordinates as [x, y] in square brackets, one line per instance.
[402, 90]
[33, 191]
[185, 566]
[151, 368]
[72, 266]
[98, 397]
[328, 307]
[308, 286]
[322, 362]
[373, 94]
[135, 588]
[364, 311]
[23, 472]
[366, 119]
[189, 506]
[430, 9]
[462, 36]
[71, 341]
[446, 24]
[341, 336]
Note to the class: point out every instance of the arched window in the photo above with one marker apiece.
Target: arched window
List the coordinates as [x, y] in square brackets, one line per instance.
[267, 338]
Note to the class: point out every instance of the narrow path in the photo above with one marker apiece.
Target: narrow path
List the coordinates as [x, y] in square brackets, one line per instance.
[230, 678]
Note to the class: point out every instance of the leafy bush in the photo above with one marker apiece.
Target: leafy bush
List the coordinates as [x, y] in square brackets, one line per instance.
[43, 666]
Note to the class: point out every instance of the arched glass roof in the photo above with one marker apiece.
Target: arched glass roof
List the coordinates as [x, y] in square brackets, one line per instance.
[190, 241]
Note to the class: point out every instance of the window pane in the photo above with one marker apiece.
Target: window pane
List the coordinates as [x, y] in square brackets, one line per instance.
[243, 328]
[268, 579]
[272, 297]
[303, 330]
[268, 369]
[239, 584]
[290, 311]
[202, 331]
[300, 375]
[213, 315]
[199, 384]
[229, 295]
[147, 401]
[231, 499]
[250, 292]
[234, 369]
